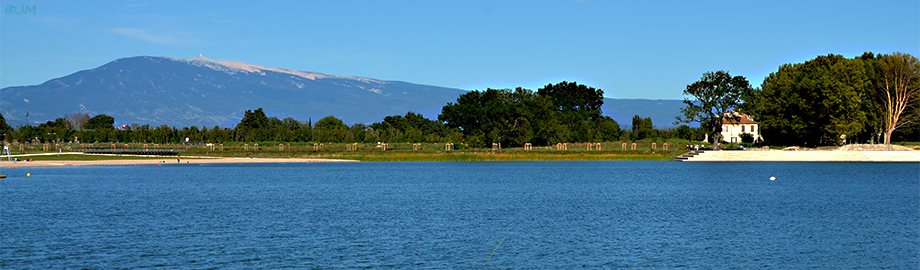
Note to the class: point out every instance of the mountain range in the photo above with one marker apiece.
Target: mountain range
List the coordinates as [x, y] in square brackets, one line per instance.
[203, 92]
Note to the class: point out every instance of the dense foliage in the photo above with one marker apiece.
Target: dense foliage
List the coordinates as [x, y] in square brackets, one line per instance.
[564, 112]
[556, 113]
[824, 101]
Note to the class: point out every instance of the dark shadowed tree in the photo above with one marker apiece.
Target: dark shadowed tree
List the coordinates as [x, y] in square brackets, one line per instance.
[251, 126]
[642, 128]
[571, 97]
[5, 129]
[100, 122]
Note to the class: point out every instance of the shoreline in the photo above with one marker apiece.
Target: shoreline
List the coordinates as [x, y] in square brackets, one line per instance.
[805, 156]
[704, 156]
[164, 161]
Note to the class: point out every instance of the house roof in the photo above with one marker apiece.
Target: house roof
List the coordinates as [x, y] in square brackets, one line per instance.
[743, 120]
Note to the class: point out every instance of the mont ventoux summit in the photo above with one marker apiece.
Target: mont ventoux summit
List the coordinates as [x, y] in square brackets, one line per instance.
[203, 92]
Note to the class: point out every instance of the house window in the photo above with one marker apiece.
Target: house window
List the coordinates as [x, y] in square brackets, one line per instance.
[753, 128]
[742, 129]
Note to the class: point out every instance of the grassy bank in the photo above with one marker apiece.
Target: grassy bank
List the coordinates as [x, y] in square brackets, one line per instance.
[396, 152]
[408, 157]
[465, 155]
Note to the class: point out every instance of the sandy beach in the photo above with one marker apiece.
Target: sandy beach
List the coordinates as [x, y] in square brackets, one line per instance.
[165, 160]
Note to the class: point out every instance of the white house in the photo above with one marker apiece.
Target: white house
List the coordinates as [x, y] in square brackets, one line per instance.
[733, 128]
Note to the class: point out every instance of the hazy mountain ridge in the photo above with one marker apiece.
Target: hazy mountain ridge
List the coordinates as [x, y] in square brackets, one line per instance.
[203, 92]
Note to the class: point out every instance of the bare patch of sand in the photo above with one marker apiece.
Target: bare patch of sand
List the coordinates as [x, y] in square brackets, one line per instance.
[873, 147]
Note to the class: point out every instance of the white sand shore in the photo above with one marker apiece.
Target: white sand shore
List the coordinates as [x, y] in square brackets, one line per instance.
[834, 156]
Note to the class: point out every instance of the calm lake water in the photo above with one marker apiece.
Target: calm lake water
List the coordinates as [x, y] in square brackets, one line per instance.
[464, 215]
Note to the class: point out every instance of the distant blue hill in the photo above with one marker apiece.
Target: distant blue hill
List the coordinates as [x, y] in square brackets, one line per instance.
[662, 111]
[203, 92]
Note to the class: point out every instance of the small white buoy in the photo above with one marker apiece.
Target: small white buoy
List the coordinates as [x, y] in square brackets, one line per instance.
[772, 178]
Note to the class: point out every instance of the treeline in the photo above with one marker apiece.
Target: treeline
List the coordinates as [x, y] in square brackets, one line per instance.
[556, 113]
[823, 101]
[831, 98]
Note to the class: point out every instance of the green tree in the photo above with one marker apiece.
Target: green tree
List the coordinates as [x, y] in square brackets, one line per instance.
[707, 100]
[251, 127]
[607, 129]
[814, 102]
[575, 98]
[556, 113]
[683, 132]
[330, 129]
[100, 122]
[747, 137]
[491, 116]
[5, 129]
[412, 127]
[642, 128]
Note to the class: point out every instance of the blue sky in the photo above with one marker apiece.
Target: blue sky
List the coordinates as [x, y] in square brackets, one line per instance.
[630, 49]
